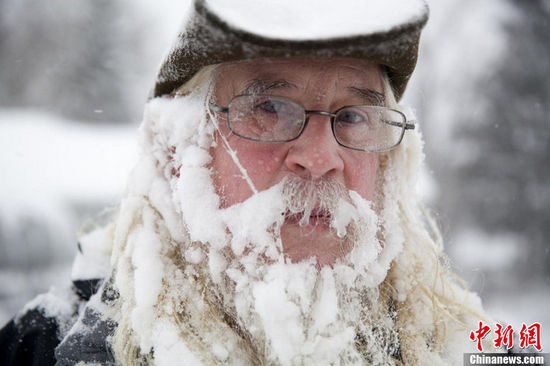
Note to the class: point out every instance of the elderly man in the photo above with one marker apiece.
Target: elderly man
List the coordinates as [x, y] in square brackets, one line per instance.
[272, 217]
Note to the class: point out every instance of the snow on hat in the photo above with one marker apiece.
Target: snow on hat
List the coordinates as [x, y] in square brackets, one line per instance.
[382, 31]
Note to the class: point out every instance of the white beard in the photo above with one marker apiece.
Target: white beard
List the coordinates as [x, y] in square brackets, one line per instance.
[204, 285]
[233, 281]
[298, 313]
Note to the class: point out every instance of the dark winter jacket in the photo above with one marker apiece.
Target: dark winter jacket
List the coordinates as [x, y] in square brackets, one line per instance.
[42, 334]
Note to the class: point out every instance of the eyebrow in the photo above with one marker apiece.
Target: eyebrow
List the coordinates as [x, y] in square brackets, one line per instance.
[371, 97]
[260, 86]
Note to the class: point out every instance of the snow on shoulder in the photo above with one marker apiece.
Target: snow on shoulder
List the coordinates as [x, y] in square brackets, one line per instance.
[315, 19]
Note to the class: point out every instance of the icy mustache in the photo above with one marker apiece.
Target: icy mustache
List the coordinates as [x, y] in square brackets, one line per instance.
[254, 223]
[320, 202]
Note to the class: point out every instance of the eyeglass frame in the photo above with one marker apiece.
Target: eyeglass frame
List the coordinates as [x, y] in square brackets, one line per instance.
[404, 126]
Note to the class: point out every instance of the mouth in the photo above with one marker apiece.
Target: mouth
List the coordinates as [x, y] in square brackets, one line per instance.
[317, 218]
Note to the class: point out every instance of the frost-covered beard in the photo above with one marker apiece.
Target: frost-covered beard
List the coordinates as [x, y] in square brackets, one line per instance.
[232, 292]
[204, 285]
[298, 313]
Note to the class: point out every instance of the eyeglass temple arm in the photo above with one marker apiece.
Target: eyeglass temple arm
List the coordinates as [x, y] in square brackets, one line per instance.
[408, 125]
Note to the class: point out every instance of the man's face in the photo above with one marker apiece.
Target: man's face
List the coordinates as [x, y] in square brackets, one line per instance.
[327, 85]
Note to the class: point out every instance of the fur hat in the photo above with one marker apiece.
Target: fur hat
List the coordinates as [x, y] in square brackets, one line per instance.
[215, 31]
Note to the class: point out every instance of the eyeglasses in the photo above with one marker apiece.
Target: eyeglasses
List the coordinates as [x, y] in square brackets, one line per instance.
[268, 118]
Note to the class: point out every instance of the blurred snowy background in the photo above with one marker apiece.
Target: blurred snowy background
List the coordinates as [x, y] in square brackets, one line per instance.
[74, 77]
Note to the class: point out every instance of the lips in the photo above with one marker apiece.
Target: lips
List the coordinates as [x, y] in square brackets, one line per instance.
[318, 217]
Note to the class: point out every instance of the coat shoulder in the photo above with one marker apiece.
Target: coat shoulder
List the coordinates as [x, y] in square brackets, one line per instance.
[29, 340]
[32, 336]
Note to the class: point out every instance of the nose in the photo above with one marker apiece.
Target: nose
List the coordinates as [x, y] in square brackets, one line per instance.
[315, 154]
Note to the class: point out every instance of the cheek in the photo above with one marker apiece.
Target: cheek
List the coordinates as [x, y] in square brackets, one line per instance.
[261, 163]
[261, 166]
[362, 175]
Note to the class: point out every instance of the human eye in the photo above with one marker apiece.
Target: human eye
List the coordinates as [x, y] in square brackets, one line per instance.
[274, 118]
[271, 106]
[352, 115]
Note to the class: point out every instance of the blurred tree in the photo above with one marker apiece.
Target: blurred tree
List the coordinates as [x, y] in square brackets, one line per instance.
[507, 189]
[72, 58]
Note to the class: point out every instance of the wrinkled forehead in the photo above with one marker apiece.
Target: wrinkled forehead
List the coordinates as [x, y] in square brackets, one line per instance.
[254, 76]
